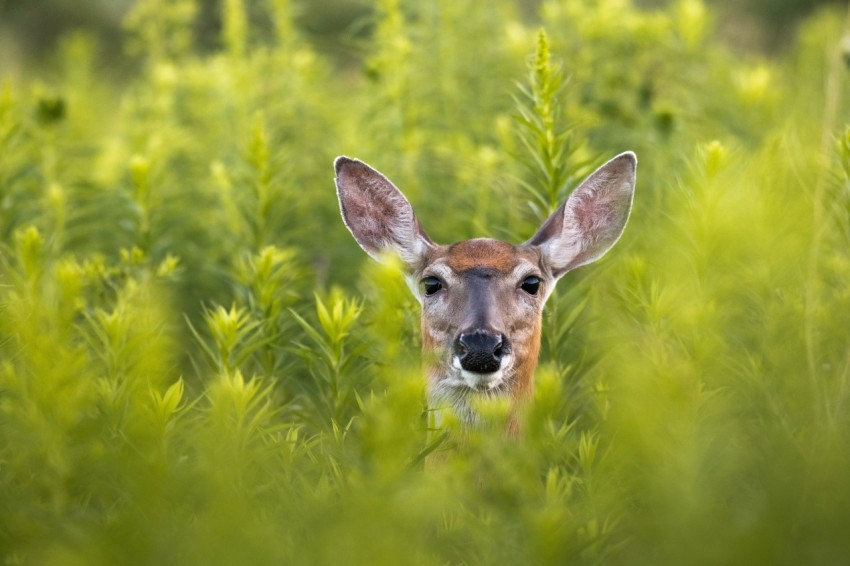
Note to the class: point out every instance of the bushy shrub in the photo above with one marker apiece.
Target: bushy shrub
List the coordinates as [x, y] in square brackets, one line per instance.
[198, 364]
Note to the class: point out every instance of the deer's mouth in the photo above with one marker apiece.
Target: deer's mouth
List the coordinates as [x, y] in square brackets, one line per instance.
[483, 382]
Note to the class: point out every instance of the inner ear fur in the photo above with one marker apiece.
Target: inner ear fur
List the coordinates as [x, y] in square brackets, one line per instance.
[592, 219]
[377, 214]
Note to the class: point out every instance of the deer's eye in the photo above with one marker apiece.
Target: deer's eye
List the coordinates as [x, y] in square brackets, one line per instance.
[431, 285]
[531, 285]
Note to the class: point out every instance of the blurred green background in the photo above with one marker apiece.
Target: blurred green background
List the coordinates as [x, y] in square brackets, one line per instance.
[198, 365]
[31, 29]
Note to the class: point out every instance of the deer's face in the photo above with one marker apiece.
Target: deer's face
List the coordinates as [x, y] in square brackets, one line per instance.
[482, 299]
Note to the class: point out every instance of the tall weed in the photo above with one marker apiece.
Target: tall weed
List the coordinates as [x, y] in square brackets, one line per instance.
[198, 365]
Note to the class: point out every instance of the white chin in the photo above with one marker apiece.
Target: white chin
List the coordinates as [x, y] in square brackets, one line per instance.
[481, 381]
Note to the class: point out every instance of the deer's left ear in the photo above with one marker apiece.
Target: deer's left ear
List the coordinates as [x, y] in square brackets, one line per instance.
[585, 227]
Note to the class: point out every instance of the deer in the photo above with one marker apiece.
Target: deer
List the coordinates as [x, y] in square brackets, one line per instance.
[482, 299]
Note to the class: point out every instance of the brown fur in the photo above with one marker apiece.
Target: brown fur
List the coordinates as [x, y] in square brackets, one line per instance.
[482, 253]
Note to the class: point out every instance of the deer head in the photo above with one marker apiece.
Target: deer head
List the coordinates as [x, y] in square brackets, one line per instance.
[482, 299]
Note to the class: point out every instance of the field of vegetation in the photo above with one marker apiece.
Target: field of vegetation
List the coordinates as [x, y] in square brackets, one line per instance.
[198, 365]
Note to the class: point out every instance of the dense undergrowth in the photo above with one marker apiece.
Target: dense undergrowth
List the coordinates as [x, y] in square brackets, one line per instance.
[198, 365]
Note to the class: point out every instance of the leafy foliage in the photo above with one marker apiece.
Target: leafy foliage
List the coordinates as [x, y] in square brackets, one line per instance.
[198, 365]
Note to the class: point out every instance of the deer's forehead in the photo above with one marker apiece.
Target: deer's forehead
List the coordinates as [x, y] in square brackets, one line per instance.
[484, 254]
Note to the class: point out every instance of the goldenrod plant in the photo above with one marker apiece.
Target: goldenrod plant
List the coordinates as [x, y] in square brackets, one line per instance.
[199, 366]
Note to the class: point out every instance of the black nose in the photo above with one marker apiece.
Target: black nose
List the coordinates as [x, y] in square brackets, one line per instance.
[480, 351]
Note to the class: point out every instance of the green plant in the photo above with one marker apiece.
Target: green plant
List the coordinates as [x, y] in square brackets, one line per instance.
[197, 366]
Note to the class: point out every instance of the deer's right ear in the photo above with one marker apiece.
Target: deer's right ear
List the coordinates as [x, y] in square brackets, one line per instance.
[376, 213]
